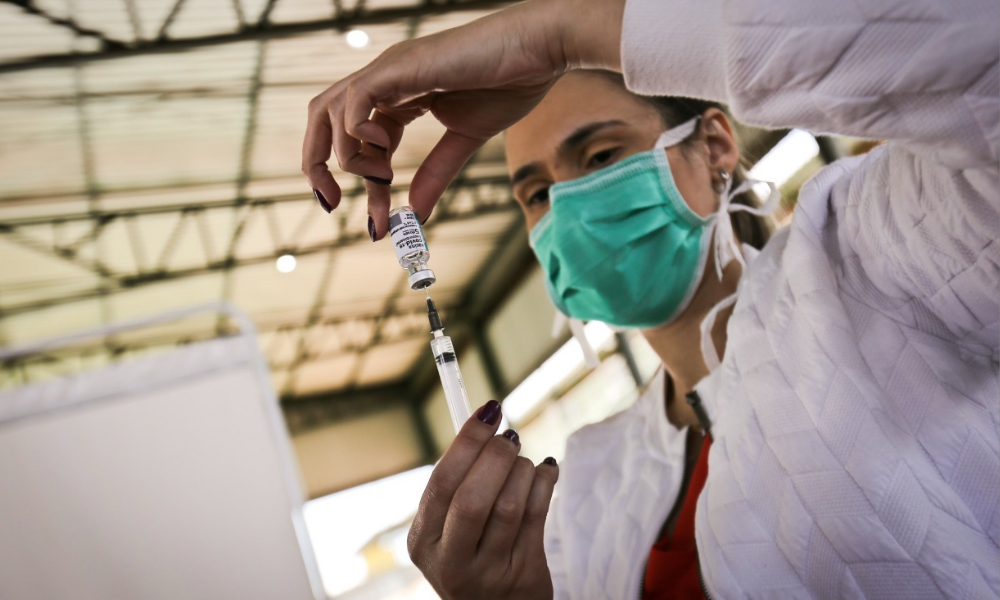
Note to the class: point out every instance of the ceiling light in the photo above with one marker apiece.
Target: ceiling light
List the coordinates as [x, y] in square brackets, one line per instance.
[357, 38]
[286, 263]
[786, 158]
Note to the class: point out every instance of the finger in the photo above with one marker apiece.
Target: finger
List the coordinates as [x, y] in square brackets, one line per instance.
[505, 519]
[474, 499]
[316, 153]
[372, 166]
[451, 471]
[440, 167]
[530, 538]
[379, 196]
[379, 200]
[359, 103]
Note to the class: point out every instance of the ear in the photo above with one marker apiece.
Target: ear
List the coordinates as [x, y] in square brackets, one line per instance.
[723, 151]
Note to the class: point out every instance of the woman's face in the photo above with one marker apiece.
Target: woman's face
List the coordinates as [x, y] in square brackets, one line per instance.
[587, 122]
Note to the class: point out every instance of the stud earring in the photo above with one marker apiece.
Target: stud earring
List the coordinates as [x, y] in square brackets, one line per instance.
[720, 186]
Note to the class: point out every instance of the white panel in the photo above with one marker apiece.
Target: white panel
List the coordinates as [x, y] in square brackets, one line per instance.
[256, 237]
[139, 143]
[350, 452]
[39, 150]
[520, 331]
[325, 375]
[365, 274]
[339, 337]
[262, 290]
[181, 487]
[30, 275]
[37, 85]
[390, 362]
[215, 71]
[167, 295]
[444, 293]
[23, 35]
[383, 4]
[52, 321]
[181, 195]
[43, 207]
[205, 17]
[151, 15]
[301, 10]
[281, 123]
[166, 336]
[107, 16]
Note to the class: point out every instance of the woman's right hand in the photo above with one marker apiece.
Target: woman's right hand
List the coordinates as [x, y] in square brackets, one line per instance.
[478, 530]
[477, 80]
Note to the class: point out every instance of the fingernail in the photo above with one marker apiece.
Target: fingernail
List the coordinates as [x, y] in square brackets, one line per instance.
[371, 228]
[322, 201]
[490, 412]
[377, 147]
[377, 180]
[550, 461]
[511, 435]
[427, 217]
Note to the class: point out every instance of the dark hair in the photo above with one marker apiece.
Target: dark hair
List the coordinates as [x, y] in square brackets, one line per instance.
[674, 110]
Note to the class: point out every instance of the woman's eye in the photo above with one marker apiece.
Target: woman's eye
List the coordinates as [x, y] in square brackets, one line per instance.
[539, 197]
[601, 158]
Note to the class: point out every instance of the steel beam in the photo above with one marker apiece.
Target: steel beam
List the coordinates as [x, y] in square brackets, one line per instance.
[263, 30]
[491, 195]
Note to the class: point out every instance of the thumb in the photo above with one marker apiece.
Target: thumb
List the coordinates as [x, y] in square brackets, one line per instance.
[438, 170]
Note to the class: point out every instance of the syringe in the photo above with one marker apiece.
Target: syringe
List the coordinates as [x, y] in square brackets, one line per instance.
[447, 366]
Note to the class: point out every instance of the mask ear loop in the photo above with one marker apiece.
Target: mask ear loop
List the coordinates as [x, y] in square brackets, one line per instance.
[676, 135]
[727, 250]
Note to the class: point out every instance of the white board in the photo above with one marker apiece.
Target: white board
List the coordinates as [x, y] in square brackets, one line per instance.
[166, 478]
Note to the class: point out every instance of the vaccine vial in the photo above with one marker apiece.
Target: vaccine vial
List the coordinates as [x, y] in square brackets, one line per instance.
[411, 248]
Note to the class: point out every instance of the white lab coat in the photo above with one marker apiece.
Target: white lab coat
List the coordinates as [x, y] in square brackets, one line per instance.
[857, 408]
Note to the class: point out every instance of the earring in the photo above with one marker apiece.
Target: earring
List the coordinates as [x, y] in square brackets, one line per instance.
[721, 185]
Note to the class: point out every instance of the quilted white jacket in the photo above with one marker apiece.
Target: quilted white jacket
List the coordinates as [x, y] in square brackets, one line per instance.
[857, 408]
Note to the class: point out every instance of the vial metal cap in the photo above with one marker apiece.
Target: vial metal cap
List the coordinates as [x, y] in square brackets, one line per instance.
[418, 280]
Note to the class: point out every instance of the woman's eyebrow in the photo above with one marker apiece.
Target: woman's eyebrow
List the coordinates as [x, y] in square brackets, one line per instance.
[523, 173]
[582, 133]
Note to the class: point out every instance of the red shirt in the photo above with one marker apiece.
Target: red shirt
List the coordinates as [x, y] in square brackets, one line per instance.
[672, 572]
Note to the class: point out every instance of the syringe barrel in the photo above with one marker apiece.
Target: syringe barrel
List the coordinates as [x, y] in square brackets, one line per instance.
[451, 378]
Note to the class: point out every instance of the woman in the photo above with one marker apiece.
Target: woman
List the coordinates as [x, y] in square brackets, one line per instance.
[632, 473]
[855, 422]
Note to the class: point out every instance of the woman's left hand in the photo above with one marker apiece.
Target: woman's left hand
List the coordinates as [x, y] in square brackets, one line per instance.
[479, 528]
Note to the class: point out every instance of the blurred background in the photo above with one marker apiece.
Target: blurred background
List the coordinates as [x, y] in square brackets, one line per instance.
[149, 160]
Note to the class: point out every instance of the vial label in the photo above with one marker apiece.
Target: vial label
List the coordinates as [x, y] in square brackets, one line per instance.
[406, 234]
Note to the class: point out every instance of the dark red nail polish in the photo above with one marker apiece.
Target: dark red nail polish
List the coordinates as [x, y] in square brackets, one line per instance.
[322, 201]
[550, 461]
[490, 412]
[371, 228]
[427, 217]
[377, 180]
[377, 147]
[511, 435]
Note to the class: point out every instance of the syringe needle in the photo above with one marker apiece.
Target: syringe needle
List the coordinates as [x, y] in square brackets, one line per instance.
[428, 292]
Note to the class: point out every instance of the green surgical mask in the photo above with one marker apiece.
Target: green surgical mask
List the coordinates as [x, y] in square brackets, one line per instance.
[622, 246]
